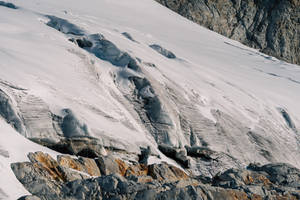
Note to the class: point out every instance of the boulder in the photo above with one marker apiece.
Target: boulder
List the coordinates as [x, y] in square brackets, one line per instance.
[166, 172]
[107, 165]
[38, 180]
[82, 164]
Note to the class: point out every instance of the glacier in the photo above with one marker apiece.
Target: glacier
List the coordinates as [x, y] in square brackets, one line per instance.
[61, 56]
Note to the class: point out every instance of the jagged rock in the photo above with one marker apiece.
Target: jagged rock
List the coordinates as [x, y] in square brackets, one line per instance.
[207, 163]
[165, 172]
[270, 26]
[81, 146]
[107, 165]
[140, 179]
[45, 178]
[163, 51]
[107, 187]
[72, 175]
[85, 165]
[232, 178]
[280, 174]
[37, 180]
[178, 154]
[145, 153]
[46, 162]
[111, 165]
[200, 152]
[137, 170]
[8, 5]
[44, 174]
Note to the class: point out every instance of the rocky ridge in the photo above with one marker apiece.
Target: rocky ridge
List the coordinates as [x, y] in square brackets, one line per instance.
[109, 177]
[271, 26]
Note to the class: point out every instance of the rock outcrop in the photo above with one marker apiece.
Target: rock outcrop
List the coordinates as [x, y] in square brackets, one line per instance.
[8, 5]
[271, 26]
[72, 178]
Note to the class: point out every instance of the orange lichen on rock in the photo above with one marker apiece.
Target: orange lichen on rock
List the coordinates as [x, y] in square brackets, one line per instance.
[85, 165]
[122, 166]
[40, 159]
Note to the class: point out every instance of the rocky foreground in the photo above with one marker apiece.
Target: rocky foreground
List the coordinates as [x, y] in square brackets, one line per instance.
[271, 26]
[110, 177]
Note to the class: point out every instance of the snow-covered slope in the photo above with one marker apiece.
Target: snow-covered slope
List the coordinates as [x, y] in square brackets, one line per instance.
[216, 92]
[14, 148]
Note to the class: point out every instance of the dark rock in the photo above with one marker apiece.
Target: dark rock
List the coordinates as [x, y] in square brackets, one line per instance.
[179, 155]
[145, 153]
[82, 42]
[163, 51]
[281, 174]
[271, 26]
[232, 178]
[104, 49]
[201, 152]
[37, 180]
[81, 146]
[8, 5]
[128, 36]
[287, 118]
[204, 179]
[44, 178]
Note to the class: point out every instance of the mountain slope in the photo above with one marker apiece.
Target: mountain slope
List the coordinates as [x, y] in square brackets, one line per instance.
[271, 26]
[131, 74]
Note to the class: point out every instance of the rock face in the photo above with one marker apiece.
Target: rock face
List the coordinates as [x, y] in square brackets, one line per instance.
[271, 26]
[69, 178]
